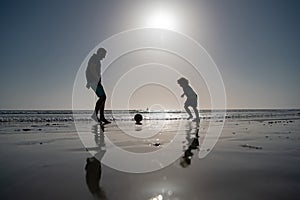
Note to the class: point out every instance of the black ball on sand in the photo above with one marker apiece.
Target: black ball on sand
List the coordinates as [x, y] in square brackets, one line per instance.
[138, 118]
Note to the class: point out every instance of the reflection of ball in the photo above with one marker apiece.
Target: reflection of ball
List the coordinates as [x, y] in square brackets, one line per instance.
[138, 118]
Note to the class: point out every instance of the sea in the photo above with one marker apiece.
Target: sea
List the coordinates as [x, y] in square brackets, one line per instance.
[51, 116]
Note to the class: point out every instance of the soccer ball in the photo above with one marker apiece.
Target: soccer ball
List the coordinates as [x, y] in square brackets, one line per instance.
[138, 118]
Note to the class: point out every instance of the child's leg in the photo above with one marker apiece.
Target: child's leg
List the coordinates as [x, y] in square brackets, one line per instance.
[196, 112]
[186, 107]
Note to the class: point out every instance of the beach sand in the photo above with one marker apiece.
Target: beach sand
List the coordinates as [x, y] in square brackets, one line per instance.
[251, 160]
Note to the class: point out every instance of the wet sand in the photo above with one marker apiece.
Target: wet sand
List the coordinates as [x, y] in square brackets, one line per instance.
[251, 160]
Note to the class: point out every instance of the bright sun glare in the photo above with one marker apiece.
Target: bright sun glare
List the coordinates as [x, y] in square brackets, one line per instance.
[161, 19]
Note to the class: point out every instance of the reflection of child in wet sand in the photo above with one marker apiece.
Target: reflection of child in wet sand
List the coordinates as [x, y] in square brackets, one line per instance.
[191, 98]
[186, 159]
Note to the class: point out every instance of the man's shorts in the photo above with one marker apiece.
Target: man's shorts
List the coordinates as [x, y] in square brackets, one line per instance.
[98, 89]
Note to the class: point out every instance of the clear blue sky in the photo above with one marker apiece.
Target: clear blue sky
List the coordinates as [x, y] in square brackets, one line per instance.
[255, 44]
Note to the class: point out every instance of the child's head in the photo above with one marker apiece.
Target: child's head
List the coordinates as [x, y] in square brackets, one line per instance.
[182, 81]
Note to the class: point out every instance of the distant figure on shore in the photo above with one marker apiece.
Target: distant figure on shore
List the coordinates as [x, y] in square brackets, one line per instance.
[93, 77]
[191, 98]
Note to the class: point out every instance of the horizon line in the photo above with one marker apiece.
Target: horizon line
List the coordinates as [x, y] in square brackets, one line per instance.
[155, 110]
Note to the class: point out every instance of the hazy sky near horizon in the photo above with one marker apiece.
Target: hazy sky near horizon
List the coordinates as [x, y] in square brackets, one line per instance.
[254, 43]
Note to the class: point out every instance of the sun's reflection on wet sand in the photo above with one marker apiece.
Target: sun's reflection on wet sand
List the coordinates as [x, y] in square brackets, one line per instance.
[158, 197]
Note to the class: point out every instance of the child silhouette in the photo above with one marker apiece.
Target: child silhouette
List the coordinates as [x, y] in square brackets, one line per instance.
[191, 98]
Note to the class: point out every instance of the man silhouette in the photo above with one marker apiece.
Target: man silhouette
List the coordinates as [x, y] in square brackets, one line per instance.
[93, 77]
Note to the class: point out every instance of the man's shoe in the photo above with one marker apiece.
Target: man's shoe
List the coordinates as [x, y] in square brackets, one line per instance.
[105, 121]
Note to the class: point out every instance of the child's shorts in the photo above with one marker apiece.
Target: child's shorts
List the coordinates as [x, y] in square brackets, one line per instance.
[191, 102]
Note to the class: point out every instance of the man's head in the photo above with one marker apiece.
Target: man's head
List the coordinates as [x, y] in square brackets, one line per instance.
[101, 52]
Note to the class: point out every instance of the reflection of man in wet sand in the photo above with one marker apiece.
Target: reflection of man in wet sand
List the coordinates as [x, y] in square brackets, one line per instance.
[93, 165]
[93, 77]
[93, 176]
[191, 98]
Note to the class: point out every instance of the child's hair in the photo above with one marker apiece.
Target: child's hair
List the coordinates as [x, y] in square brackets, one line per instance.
[183, 81]
[101, 51]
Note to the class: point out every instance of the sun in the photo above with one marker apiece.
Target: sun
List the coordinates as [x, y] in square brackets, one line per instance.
[161, 19]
